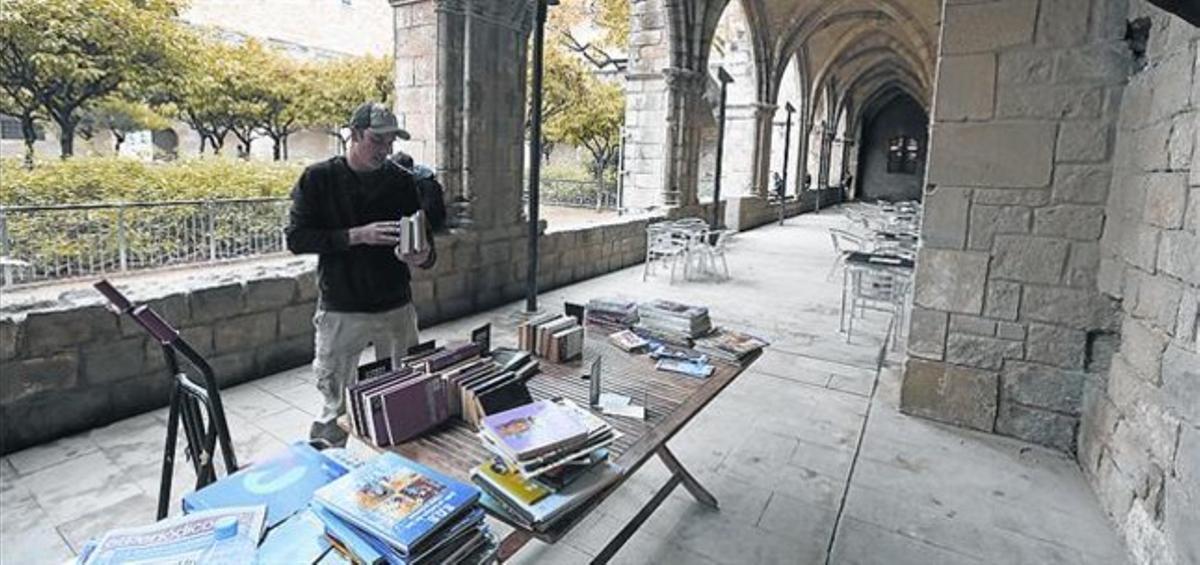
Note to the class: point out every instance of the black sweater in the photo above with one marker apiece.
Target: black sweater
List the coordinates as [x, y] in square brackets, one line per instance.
[327, 201]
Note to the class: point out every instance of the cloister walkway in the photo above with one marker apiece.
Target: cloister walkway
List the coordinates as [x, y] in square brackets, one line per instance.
[806, 452]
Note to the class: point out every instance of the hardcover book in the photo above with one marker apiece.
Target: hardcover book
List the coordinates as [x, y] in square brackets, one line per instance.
[531, 430]
[397, 500]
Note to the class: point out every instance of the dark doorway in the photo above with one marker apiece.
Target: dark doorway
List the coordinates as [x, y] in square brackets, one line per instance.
[892, 156]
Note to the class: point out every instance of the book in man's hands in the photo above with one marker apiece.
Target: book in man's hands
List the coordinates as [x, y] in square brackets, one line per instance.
[412, 233]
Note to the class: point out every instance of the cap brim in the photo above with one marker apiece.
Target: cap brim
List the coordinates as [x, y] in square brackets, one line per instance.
[400, 132]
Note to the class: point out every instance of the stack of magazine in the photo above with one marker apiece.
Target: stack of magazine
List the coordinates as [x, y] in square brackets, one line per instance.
[730, 346]
[681, 360]
[612, 313]
[393, 510]
[672, 322]
[556, 337]
[551, 456]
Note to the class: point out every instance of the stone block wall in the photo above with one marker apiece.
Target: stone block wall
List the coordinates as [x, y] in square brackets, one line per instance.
[1007, 324]
[747, 212]
[646, 103]
[1139, 442]
[68, 365]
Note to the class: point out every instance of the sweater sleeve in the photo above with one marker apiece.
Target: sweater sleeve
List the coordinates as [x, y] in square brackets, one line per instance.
[304, 231]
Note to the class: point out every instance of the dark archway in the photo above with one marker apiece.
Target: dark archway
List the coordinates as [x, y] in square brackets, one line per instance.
[891, 160]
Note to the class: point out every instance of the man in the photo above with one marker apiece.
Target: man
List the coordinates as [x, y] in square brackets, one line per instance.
[347, 210]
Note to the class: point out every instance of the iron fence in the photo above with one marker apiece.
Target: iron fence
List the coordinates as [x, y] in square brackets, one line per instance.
[575, 194]
[45, 243]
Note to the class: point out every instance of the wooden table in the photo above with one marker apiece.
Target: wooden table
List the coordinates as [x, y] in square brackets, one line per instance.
[671, 400]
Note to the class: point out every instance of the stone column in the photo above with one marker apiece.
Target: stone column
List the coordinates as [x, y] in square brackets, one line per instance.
[685, 89]
[764, 123]
[825, 161]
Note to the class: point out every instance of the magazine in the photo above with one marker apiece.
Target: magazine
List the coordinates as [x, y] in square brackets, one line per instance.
[185, 539]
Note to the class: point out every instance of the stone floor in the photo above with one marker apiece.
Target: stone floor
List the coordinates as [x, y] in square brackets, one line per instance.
[807, 453]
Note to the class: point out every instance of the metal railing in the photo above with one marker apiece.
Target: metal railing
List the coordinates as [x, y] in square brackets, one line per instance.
[575, 194]
[46, 243]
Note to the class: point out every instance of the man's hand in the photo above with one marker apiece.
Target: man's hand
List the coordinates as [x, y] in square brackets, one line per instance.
[413, 259]
[378, 233]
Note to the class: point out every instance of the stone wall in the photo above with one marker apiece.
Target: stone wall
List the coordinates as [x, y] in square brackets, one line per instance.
[67, 364]
[1139, 442]
[747, 212]
[1007, 324]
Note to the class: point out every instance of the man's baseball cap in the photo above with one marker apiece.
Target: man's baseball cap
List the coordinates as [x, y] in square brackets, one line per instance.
[378, 119]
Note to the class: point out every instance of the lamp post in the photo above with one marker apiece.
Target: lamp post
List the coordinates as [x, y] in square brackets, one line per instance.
[535, 154]
[716, 214]
[787, 147]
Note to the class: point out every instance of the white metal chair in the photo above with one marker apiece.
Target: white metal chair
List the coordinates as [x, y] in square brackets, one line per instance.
[664, 245]
[714, 249]
[844, 242]
[872, 288]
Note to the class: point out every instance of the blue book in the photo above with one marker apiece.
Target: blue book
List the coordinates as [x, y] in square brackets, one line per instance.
[299, 539]
[284, 483]
[399, 501]
[352, 541]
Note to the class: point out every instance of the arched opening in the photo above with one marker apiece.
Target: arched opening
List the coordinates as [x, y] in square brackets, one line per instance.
[816, 143]
[893, 149]
[732, 50]
[791, 91]
[837, 153]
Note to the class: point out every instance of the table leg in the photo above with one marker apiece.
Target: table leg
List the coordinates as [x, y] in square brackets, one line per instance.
[689, 482]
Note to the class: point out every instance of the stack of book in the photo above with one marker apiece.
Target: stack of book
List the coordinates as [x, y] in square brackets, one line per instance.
[397, 405]
[681, 360]
[671, 322]
[611, 313]
[556, 337]
[730, 346]
[550, 457]
[397, 511]
[489, 386]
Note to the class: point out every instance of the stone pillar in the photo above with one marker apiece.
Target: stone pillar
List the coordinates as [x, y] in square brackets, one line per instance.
[827, 136]
[764, 124]
[1005, 288]
[460, 86]
[685, 101]
[849, 164]
[646, 104]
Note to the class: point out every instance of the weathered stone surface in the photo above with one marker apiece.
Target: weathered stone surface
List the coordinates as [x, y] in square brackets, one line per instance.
[956, 395]
[1056, 345]
[236, 367]
[1041, 386]
[1107, 63]
[945, 217]
[1187, 320]
[1042, 427]
[1081, 184]
[297, 320]
[28, 377]
[217, 303]
[973, 325]
[981, 352]
[1084, 142]
[10, 334]
[1010, 331]
[1010, 197]
[982, 154]
[1025, 67]
[927, 333]
[1003, 300]
[1143, 347]
[245, 331]
[1158, 301]
[48, 332]
[112, 361]
[974, 28]
[174, 309]
[966, 87]
[269, 294]
[1083, 264]
[1181, 382]
[306, 286]
[949, 280]
[1101, 346]
[1029, 259]
[987, 221]
[1069, 221]
[285, 354]
[1178, 256]
[1076, 308]
[1181, 521]
[1110, 277]
[1049, 102]
[1166, 199]
[1060, 23]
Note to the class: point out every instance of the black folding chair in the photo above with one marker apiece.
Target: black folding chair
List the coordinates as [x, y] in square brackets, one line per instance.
[195, 407]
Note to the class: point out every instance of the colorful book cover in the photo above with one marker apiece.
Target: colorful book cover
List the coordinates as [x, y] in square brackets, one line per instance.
[299, 539]
[510, 481]
[547, 511]
[529, 430]
[699, 370]
[397, 500]
[284, 483]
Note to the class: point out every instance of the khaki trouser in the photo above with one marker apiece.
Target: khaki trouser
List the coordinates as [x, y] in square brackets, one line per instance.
[341, 338]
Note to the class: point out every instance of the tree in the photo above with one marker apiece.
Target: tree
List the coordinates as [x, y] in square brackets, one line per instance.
[19, 103]
[593, 121]
[68, 54]
[339, 86]
[120, 115]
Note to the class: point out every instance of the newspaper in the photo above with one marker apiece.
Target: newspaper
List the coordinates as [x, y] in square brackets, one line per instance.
[183, 540]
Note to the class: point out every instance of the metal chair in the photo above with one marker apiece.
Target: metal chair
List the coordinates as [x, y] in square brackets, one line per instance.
[872, 288]
[844, 241]
[663, 244]
[713, 249]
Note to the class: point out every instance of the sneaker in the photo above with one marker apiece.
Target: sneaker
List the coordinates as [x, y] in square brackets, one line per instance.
[327, 434]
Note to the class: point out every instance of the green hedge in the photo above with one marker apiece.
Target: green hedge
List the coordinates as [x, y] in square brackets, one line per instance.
[108, 179]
